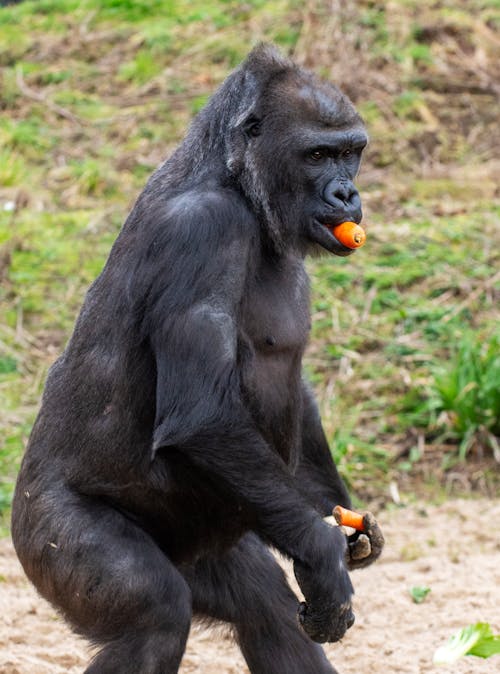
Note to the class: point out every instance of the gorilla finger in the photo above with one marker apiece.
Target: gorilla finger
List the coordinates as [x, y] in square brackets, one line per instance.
[374, 533]
[310, 624]
[340, 627]
[321, 627]
[360, 548]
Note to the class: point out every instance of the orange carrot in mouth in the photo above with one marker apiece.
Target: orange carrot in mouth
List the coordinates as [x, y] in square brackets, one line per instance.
[348, 518]
[350, 234]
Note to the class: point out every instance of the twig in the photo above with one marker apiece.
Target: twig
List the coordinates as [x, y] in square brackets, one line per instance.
[84, 26]
[495, 447]
[444, 85]
[372, 293]
[40, 98]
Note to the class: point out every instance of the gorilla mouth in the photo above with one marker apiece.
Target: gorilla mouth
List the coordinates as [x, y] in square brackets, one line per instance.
[322, 234]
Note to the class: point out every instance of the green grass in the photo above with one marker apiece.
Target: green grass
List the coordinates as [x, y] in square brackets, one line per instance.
[141, 69]
[467, 392]
[96, 94]
[12, 168]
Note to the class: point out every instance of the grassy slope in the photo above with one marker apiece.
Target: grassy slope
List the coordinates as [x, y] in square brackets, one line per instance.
[93, 95]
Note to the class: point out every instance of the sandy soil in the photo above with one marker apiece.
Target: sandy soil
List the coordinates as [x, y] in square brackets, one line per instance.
[449, 548]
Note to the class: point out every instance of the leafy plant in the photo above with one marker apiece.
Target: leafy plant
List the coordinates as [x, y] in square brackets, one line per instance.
[141, 69]
[7, 365]
[92, 178]
[12, 168]
[477, 640]
[418, 593]
[354, 456]
[467, 393]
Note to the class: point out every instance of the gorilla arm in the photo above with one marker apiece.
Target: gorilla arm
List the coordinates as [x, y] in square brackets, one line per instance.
[317, 473]
[320, 481]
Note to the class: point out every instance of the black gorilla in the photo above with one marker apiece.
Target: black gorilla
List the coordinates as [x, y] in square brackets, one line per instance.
[176, 439]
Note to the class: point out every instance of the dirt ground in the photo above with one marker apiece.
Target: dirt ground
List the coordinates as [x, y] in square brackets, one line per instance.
[452, 548]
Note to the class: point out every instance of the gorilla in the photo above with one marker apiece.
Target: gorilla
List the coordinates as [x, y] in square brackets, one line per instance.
[177, 442]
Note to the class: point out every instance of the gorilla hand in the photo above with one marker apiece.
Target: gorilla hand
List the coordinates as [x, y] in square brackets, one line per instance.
[326, 614]
[364, 547]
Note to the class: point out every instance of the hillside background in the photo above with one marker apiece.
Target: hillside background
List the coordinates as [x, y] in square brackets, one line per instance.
[404, 353]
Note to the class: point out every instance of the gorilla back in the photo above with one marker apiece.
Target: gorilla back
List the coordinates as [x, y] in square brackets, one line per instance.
[176, 439]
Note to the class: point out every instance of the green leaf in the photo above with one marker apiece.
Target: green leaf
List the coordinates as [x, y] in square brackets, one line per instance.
[419, 593]
[475, 640]
[486, 647]
[7, 365]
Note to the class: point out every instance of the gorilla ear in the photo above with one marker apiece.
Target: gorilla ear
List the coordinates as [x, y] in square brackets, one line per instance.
[246, 124]
[262, 64]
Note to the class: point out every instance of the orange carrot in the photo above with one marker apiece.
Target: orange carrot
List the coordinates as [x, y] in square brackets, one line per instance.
[348, 518]
[350, 234]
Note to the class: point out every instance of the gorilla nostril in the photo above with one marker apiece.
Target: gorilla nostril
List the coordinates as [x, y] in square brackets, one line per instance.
[349, 195]
[341, 192]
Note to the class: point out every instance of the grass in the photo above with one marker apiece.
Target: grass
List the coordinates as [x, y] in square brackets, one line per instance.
[395, 328]
[95, 95]
[466, 393]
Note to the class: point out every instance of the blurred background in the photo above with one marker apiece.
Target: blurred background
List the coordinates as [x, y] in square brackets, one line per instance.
[404, 353]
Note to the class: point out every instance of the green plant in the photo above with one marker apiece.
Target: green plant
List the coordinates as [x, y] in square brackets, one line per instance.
[92, 177]
[141, 69]
[466, 392]
[418, 593]
[477, 640]
[354, 456]
[7, 365]
[12, 168]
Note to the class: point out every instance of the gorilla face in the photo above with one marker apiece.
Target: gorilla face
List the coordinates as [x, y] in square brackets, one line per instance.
[304, 146]
[330, 164]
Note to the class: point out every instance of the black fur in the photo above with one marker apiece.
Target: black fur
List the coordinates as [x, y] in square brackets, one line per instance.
[176, 439]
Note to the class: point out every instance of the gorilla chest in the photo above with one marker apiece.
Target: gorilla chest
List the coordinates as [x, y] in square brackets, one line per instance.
[275, 330]
[276, 312]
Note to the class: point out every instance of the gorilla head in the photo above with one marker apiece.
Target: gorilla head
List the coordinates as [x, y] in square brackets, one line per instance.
[292, 143]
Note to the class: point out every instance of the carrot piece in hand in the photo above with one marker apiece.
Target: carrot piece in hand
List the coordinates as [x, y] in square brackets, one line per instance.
[348, 518]
[350, 234]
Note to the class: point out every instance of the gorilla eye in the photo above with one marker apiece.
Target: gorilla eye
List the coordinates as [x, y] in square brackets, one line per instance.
[253, 127]
[254, 130]
[347, 154]
[317, 155]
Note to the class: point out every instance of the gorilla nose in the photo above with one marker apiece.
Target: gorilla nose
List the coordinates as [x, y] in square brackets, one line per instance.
[343, 191]
[344, 197]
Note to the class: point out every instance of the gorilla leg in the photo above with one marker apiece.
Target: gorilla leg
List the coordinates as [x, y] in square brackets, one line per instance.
[113, 584]
[247, 588]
